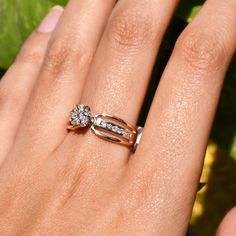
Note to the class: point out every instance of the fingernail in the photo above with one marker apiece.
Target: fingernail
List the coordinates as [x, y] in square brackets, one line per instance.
[50, 21]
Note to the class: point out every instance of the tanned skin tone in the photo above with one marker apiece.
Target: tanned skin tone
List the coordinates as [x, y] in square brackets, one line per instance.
[101, 53]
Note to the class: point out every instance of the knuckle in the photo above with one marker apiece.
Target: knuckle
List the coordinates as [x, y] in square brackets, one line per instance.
[30, 55]
[3, 98]
[129, 30]
[8, 98]
[62, 55]
[201, 50]
[10, 91]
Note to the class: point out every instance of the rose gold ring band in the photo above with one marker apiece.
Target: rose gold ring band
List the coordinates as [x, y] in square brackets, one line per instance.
[105, 126]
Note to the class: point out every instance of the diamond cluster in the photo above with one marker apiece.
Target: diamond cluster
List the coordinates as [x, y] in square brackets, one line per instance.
[110, 126]
[80, 116]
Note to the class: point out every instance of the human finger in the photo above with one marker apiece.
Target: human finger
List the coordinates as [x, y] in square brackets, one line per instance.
[170, 156]
[17, 84]
[121, 69]
[63, 73]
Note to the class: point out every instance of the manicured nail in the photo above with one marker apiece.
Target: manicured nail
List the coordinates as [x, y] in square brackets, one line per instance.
[50, 21]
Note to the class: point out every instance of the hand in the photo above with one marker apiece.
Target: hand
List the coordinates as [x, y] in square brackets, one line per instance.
[101, 53]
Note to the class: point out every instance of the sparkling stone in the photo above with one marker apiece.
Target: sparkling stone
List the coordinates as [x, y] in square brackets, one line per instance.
[114, 128]
[98, 121]
[87, 111]
[120, 131]
[81, 108]
[75, 122]
[84, 120]
[109, 126]
[103, 124]
[126, 133]
[74, 116]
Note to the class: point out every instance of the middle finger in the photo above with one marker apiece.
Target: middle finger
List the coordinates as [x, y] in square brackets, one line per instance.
[63, 74]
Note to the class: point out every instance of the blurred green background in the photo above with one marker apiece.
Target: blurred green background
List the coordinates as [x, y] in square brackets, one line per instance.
[19, 17]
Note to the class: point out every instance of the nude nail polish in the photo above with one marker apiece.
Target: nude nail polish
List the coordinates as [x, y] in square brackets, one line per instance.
[50, 21]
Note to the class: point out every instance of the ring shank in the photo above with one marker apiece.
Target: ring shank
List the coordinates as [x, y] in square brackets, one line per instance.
[114, 129]
[105, 126]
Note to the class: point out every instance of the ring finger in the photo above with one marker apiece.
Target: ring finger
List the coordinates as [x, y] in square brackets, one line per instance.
[121, 69]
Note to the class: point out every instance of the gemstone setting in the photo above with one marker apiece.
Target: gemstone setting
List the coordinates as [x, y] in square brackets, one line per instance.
[80, 116]
[106, 125]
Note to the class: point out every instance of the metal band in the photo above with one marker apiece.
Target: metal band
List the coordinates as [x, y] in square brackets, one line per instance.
[114, 129]
[105, 126]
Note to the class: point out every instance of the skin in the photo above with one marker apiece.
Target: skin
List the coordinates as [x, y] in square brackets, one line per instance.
[55, 182]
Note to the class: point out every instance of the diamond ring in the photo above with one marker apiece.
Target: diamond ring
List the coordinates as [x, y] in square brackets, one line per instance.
[108, 127]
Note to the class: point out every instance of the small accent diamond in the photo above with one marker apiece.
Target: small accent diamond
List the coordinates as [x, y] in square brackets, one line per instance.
[126, 133]
[97, 121]
[103, 124]
[115, 129]
[109, 126]
[120, 131]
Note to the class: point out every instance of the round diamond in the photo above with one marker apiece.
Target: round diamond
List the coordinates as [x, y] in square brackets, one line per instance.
[97, 121]
[120, 131]
[87, 111]
[75, 122]
[126, 133]
[84, 120]
[81, 108]
[109, 126]
[103, 124]
[114, 128]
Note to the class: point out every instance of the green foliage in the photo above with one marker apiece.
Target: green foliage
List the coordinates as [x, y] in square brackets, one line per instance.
[188, 9]
[19, 17]
[59, 2]
[224, 130]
